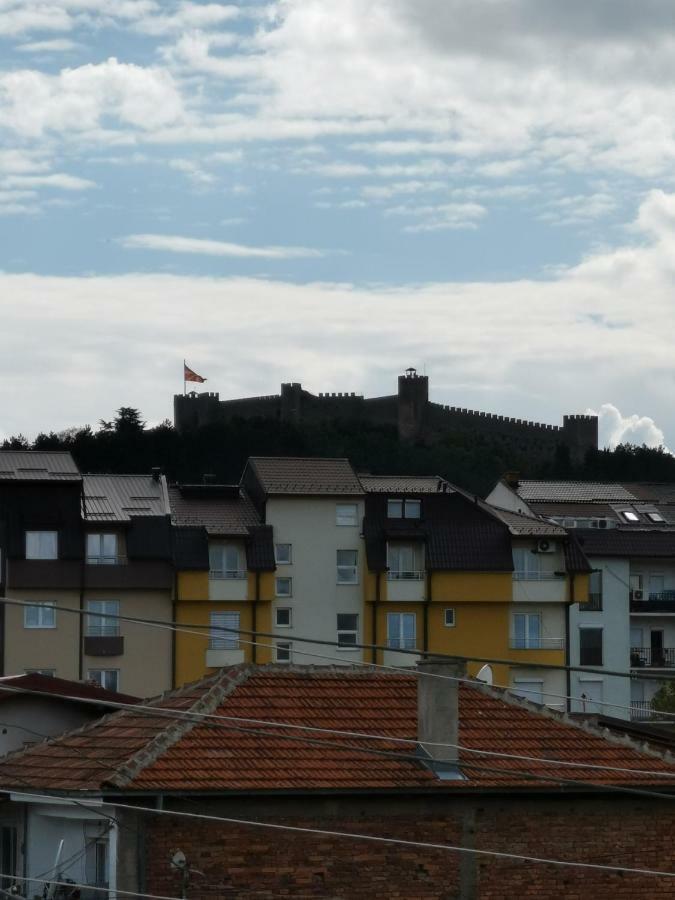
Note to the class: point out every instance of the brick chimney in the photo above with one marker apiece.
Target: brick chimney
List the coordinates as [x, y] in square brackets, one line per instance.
[438, 705]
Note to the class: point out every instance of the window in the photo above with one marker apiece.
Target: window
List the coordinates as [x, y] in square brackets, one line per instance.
[105, 678]
[284, 617]
[347, 514]
[404, 561]
[404, 509]
[223, 633]
[449, 618]
[102, 549]
[532, 690]
[347, 630]
[100, 618]
[283, 587]
[526, 631]
[594, 603]
[96, 857]
[656, 586]
[401, 631]
[42, 615]
[41, 545]
[635, 584]
[590, 646]
[630, 516]
[8, 856]
[225, 562]
[283, 555]
[655, 517]
[347, 567]
[283, 652]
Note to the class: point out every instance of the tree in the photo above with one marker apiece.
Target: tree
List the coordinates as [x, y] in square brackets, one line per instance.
[664, 698]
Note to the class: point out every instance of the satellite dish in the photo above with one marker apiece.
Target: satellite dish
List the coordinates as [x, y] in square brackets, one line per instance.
[178, 860]
[485, 675]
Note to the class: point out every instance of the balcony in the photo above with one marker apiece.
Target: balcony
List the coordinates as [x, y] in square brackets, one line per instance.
[539, 587]
[651, 658]
[139, 574]
[222, 652]
[641, 710]
[228, 584]
[107, 560]
[536, 643]
[652, 602]
[405, 585]
[103, 645]
[593, 604]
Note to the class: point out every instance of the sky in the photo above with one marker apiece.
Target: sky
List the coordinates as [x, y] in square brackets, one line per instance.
[328, 193]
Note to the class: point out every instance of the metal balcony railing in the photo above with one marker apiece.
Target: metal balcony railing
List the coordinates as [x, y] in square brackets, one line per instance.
[538, 576]
[403, 575]
[650, 658]
[106, 560]
[516, 643]
[641, 709]
[594, 604]
[227, 574]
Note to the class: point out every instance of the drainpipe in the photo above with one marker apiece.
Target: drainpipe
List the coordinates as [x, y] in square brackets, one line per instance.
[254, 618]
[425, 616]
[174, 618]
[83, 571]
[568, 674]
[373, 613]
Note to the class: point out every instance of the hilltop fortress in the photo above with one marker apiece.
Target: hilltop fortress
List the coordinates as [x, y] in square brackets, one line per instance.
[417, 419]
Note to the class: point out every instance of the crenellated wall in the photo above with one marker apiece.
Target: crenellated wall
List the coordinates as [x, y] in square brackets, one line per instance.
[417, 419]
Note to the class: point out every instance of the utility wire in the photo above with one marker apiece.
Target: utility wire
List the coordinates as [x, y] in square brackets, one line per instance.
[88, 887]
[377, 839]
[320, 642]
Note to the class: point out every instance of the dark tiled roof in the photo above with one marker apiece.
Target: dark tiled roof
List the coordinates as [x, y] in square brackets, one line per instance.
[617, 542]
[223, 510]
[190, 548]
[260, 549]
[580, 510]
[305, 476]
[576, 560]
[37, 465]
[403, 484]
[129, 751]
[523, 525]
[118, 498]
[574, 492]
[59, 687]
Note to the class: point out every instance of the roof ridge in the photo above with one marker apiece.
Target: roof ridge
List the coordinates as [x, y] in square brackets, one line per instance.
[224, 684]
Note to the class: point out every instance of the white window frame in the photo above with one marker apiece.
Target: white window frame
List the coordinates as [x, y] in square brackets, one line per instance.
[283, 609]
[37, 552]
[527, 642]
[103, 678]
[347, 515]
[224, 571]
[402, 642]
[286, 648]
[41, 608]
[348, 632]
[277, 557]
[412, 504]
[99, 622]
[280, 580]
[347, 574]
[101, 556]
[392, 504]
[451, 610]
[220, 619]
[416, 573]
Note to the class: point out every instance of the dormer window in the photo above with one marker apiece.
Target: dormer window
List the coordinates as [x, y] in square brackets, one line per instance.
[630, 516]
[404, 509]
[102, 549]
[225, 561]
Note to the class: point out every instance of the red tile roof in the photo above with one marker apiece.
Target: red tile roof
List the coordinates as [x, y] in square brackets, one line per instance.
[60, 687]
[131, 751]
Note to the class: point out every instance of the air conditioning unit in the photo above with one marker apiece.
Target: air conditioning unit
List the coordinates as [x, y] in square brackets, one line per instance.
[545, 546]
[637, 595]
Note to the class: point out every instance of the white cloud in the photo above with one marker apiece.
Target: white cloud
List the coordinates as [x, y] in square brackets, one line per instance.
[176, 244]
[615, 428]
[55, 45]
[58, 180]
[189, 16]
[194, 172]
[441, 216]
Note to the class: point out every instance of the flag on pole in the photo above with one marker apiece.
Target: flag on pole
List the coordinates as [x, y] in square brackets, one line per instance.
[189, 375]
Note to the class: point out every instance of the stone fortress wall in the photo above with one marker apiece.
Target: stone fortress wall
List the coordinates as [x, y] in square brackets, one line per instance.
[417, 419]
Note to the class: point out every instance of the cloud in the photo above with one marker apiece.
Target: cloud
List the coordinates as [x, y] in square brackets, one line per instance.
[55, 45]
[176, 244]
[58, 180]
[189, 16]
[615, 428]
[441, 216]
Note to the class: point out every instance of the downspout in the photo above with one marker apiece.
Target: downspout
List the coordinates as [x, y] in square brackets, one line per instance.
[83, 575]
[425, 615]
[373, 613]
[174, 618]
[254, 618]
[568, 674]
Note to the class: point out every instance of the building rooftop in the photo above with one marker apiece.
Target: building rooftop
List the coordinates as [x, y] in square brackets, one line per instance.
[129, 751]
[574, 492]
[58, 687]
[405, 484]
[224, 510]
[305, 476]
[38, 465]
[117, 498]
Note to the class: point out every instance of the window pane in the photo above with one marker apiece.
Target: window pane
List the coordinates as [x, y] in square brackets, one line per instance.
[347, 622]
[519, 630]
[413, 509]
[393, 626]
[283, 587]
[590, 646]
[533, 630]
[394, 509]
[282, 553]
[98, 622]
[408, 631]
[215, 557]
[346, 514]
[41, 545]
[93, 545]
[347, 557]
[283, 617]
[283, 652]
[450, 617]
[109, 544]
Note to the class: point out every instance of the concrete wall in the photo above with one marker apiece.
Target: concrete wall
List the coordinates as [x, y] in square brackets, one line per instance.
[38, 648]
[308, 524]
[27, 719]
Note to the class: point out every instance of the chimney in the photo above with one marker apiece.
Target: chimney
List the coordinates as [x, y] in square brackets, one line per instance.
[156, 473]
[512, 479]
[437, 705]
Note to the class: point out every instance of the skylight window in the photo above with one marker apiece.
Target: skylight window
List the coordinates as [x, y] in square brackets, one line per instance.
[630, 516]
[655, 517]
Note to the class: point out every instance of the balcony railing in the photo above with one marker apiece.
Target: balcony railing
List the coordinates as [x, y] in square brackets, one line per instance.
[106, 560]
[227, 574]
[536, 643]
[641, 709]
[651, 658]
[593, 604]
[403, 575]
[652, 601]
[538, 576]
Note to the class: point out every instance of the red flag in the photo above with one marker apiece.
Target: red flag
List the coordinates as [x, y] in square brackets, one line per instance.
[189, 375]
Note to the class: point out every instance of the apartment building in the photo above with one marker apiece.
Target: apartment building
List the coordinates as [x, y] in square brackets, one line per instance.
[99, 547]
[627, 531]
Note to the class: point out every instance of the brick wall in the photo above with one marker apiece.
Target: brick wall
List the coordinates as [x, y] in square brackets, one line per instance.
[246, 862]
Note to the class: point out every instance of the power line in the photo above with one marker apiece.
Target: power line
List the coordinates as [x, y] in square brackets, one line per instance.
[321, 642]
[374, 838]
[88, 887]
